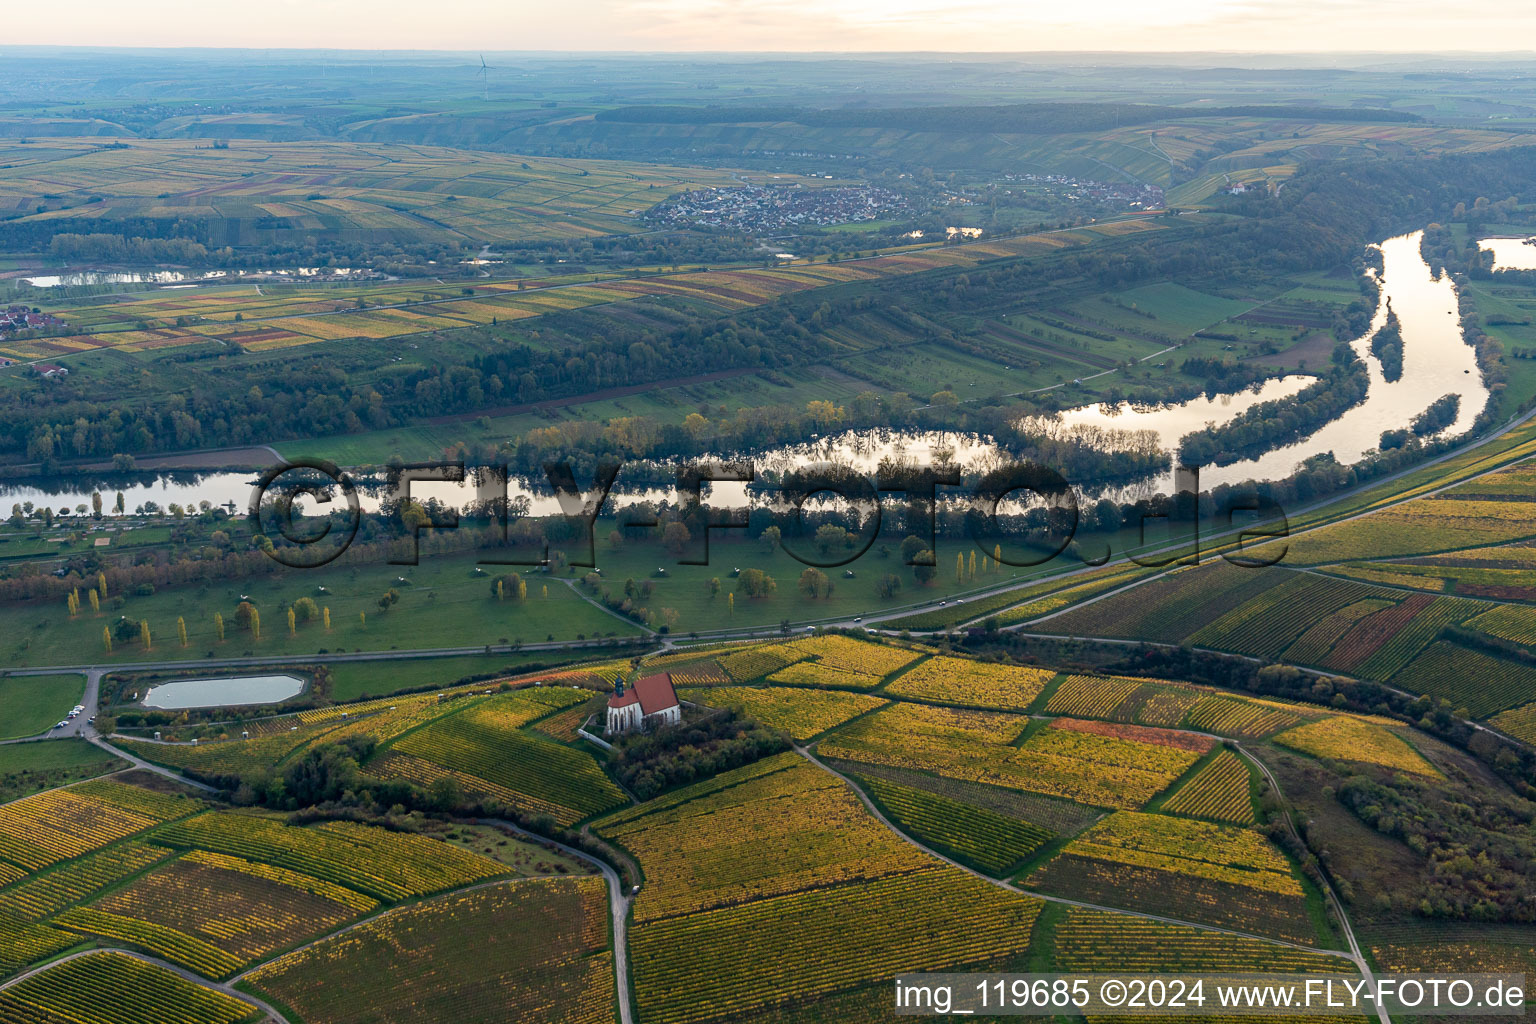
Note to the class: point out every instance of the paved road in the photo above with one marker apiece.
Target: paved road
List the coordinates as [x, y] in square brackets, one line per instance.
[227, 987]
[291, 659]
[79, 726]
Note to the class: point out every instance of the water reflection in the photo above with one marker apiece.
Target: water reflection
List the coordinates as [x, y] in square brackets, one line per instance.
[1436, 362]
[1510, 253]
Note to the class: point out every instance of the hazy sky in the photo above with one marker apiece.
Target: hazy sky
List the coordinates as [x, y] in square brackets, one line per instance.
[804, 25]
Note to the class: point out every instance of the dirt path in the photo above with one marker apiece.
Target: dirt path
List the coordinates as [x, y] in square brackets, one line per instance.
[1004, 884]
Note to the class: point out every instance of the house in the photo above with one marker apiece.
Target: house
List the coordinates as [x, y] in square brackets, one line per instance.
[50, 370]
[649, 703]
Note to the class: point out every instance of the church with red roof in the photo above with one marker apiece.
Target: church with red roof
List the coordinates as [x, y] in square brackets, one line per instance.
[649, 703]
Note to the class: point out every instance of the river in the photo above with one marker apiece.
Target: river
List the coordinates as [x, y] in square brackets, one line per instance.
[1436, 361]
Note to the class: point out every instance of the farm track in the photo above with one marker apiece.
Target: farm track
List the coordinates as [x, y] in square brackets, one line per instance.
[1005, 884]
[1333, 897]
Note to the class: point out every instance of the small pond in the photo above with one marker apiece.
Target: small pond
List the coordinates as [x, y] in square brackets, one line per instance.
[223, 691]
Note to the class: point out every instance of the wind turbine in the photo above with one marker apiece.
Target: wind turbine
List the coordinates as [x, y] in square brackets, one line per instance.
[485, 77]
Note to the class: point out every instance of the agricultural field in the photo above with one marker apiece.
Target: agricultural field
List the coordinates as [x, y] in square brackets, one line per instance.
[1481, 683]
[216, 913]
[1221, 791]
[444, 603]
[113, 987]
[62, 824]
[1425, 526]
[1219, 874]
[1081, 696]
[1060, 817]
[765, 869]
[371, 861]
[978, 684]
[1344, 738]
[1089, 940]
[1101, 766]
[535, 950]
[1467, 948]
[1167, 608]
[1343, 625]
[366, 192]
[988, 841]
[490, 741]
[1518, 722]
[244, 315]
[775, 827]
[1084, 765]
[802, 715]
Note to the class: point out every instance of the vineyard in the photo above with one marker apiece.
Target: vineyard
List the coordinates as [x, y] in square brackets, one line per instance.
[1091, 696]
[950, 680]
[65, 823]
[22, 942]
[1457, 948]
[1096, 940]
[1221, 791]
[1195, 870]
[1317, 641]
[1419, 527]
[1481, 683]
[1268, 623]
[1101, 770]
[534, 951]
[772, 828]
[244, 909]
[384, 865]
[1235, 716]
[801, 713]
[1519, 722]
[846, 654]
[1171, 607]
[1072, 595]
[1057, 816]
[1343, 738]
[990, 842]
[1512, 622]
[764, 884]
[231, 757]
[112, 988]
[49, 893]
[1393, 636]
[738, 962]
[810, 673]
[167, 943]
[1223, 853]
[752, 663]
[488, 742]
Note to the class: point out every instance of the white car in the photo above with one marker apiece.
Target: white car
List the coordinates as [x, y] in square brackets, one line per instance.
[61, 725]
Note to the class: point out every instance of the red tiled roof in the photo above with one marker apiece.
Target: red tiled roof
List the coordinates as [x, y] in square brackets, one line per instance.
[654, 693]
